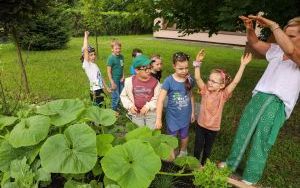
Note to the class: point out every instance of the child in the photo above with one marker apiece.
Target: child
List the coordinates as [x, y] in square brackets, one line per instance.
[140, 94]
[115, 72]
[93, 72]
[135, 52]
[214, 95]
[156, 64]
[180, 107]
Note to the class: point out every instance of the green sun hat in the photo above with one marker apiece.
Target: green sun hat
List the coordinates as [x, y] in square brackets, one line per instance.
[141, 61]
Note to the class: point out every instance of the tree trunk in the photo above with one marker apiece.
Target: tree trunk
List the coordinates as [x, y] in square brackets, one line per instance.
[21, 62]
[97, 53]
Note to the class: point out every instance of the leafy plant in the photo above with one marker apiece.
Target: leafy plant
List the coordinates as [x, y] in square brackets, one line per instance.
[81, 144]
[211, 176]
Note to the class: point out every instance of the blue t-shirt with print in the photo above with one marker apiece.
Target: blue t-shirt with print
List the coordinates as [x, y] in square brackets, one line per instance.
[179, 108]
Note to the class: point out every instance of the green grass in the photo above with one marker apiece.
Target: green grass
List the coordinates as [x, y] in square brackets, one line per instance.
[58, 74]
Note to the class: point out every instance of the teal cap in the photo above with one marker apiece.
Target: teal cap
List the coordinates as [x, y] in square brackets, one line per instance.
[140, 61]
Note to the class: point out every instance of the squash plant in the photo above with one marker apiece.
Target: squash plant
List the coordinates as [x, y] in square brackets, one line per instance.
[69, 138]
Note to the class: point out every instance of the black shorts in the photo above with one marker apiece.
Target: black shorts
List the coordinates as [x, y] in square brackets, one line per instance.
[97, 97]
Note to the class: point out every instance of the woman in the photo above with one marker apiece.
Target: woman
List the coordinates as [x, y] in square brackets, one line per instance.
[274, 96]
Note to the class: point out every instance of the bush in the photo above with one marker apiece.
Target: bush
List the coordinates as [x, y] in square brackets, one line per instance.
[50, 30]
[123, 24]
[112, 23]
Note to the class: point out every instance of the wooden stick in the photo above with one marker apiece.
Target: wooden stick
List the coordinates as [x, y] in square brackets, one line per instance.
[238, 184]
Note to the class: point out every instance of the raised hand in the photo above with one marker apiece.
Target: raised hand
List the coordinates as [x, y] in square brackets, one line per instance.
[247, 22]
[246, 58]
[264, 22]
[86, 33]
[200, 56]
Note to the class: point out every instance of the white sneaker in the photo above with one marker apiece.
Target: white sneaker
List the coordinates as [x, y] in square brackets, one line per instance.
[247, 182]
[182, 153]
[222, 165]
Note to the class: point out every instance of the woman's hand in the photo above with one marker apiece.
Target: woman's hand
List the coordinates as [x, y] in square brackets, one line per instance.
[264, 22]
[247, 22]
[200, 56]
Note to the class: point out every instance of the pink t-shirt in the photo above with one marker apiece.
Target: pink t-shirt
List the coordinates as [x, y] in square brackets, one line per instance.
[143, 91]
[211, 108]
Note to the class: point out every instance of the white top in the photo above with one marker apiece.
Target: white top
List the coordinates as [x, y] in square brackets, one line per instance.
[94, 75]
[281, 78]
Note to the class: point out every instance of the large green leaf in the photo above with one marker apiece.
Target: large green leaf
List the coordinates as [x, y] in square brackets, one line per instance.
[163, 144]
[75, 184]
[133, 164]
[30, 131]
[105, 117]
[62, 111]
[104, 143]
[139, 133]
[8, 154]
[188, 161]
[73, 152]
[7, 121]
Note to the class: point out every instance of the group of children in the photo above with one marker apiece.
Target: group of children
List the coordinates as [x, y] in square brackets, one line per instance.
[143, 96]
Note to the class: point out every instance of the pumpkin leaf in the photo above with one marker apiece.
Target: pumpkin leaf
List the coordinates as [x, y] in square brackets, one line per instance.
[104, 143]
[62, 111]
[133, 164]
[190, 162]
[8, 154]
[163, 144]
[30, 131]
[73, 152]
[7, 121]
[105, 117]
[139, 133]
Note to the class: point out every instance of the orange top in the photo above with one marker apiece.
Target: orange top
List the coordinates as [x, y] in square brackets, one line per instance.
[211, 108]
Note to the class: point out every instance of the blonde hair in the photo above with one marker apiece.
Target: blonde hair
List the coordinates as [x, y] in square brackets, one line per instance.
[115, 42]
[224, 75]
[293, 22]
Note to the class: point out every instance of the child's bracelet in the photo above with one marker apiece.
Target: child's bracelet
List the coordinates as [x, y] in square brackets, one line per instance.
[197, 63]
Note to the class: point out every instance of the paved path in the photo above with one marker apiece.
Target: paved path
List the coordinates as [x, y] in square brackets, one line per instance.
[222, 38]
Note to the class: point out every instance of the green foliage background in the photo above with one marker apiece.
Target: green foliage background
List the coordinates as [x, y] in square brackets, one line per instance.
[58, 74]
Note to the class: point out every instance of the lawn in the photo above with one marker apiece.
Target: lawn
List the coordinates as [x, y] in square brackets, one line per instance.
[58, 74]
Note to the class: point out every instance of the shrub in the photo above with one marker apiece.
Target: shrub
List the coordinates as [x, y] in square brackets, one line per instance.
[50, 30]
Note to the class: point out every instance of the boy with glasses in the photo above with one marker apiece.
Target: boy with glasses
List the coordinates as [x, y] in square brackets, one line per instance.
[140, 93]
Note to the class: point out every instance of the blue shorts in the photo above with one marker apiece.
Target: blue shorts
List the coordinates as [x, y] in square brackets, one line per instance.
[183, 132]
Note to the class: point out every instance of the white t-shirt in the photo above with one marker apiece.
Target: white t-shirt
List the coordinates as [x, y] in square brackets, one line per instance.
[94, 75]
[281, 78]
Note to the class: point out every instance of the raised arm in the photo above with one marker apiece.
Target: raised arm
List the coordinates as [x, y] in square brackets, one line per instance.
[159, 108]
[85, 46]
[283, 38]
[245, 59]
[197, 64]
[258, 45]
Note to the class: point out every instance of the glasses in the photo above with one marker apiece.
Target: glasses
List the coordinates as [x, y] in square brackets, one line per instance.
[214, 82]
[145, 68]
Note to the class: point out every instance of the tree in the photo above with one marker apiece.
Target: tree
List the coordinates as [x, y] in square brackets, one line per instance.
[14, 14]
[48, 30]
[215, 15]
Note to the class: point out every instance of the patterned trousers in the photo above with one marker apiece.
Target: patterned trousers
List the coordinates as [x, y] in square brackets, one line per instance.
[261, 121]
